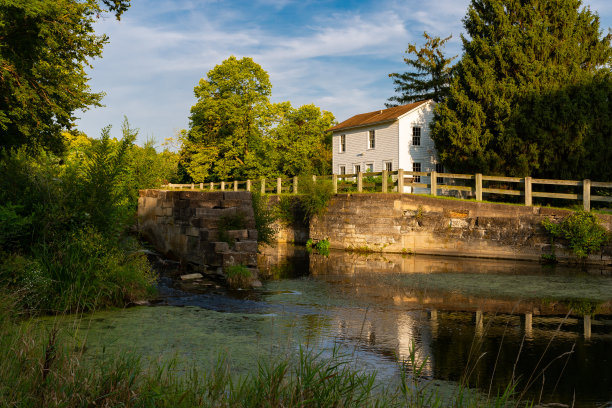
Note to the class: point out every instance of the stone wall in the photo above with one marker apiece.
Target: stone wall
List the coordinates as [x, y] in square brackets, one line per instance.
[185, 225]
[426, 225]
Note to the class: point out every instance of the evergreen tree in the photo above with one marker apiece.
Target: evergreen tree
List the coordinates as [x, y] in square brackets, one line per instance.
[531, 94]
[430, 75]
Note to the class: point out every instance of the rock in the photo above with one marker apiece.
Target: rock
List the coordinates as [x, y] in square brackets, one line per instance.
[191, 276]
[256, 283]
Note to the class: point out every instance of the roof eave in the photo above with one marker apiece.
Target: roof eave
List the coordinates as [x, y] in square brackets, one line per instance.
[365, 125]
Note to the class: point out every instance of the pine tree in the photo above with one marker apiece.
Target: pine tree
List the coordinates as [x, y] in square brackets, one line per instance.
[430, 75]
[531, 94]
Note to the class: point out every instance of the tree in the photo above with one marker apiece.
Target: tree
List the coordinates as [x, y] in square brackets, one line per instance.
[236, 133]
[226, 122]
[302, 142]
[431, 73]
[531, 94]
[45, 46]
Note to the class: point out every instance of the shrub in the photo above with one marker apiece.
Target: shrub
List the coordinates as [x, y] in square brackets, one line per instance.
[290, 210]
[582, 232]
[321, 246]
[264, 218]
[315, 196]
[238, 276]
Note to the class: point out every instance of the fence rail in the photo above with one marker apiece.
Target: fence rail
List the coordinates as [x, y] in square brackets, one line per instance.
[400, 180]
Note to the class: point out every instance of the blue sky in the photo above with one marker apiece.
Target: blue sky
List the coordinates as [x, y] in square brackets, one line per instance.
[335, 54]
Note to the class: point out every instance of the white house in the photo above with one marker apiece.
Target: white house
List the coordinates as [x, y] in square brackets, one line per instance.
[387, 139]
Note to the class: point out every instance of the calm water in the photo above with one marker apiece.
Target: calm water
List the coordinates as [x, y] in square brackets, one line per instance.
[470, 320]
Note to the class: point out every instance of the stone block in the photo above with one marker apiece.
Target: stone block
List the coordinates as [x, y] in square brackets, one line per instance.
[238, 234]
[253, 234]
[181, 204]
[246, 246]
[237, 195]
[192, 231]
[159, 211]
[219, 247]
[191, 276]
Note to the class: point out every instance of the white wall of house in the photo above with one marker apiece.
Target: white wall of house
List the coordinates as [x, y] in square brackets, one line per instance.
[357, 151]
[393, 142]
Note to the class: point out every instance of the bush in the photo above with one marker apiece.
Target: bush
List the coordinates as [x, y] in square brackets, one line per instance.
[582, 232]
[315, 196]
[289, 210]
[321, 247]
[264, 218]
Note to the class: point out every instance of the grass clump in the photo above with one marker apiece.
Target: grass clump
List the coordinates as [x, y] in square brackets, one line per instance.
[238, 276]
[581, 232]
[322, 246]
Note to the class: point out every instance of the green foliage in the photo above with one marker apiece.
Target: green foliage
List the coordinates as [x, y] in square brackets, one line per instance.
[46, 48]
[321, 246]
[230, 222]
[314, 196]
[62, 226]
[236, 133]
[582, 232]
[264, 218]
[238, 276]
[530, 95]
[430, 76]
[289, 210]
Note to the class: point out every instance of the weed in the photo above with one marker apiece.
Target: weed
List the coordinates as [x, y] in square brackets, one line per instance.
[322, 246]
[264, 218]
[238, 276]
[315, 196]
[581, 231]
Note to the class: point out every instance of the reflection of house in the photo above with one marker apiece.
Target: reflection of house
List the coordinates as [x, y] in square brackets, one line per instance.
[387, 139]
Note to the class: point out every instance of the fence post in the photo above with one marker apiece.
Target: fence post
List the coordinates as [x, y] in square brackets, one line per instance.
[192, 186]
[201, 186]
[248, 186]
[478, 187]
[359, 182]
[400, 181]
[433, 183]
[586, 195]
[263, 186]
[235, 185]
[279, 185]
[385, 175]
[314, 178]
[295, 184]
[528, 192]
[223, 186]
[212, 186]
[335, 183]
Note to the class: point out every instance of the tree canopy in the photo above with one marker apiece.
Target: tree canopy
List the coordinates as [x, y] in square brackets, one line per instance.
[45, 48]
[531, 93]
[430, 73]
[237, 133]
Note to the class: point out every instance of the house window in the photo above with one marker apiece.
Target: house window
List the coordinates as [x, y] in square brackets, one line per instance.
[371, 139]
[342, 143]
[416, 136]
[440, 169]
[389, 166]
[357, 168]
[416, 167]
[342, 169]
[370, 167]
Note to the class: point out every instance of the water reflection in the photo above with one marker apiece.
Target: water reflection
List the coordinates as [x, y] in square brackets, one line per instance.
[477, 321]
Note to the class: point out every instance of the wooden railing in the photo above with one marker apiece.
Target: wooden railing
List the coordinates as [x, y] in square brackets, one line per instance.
[432, 183]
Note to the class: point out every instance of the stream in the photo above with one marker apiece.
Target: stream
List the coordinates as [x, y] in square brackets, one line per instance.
[476, 321]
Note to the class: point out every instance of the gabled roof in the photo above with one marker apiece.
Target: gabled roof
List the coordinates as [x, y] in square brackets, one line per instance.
[379, 116]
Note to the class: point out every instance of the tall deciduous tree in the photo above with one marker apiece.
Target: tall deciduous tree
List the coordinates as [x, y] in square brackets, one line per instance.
[531, 94]
[429, 76]
[236, 133]
[226, 122]
[45, 46]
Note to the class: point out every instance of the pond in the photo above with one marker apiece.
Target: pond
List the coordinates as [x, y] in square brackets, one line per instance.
[475, 321]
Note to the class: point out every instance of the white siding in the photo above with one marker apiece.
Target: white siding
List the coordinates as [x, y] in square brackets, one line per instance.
[357, 151]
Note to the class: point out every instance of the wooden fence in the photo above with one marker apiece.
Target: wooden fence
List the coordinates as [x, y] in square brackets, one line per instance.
[433, 183]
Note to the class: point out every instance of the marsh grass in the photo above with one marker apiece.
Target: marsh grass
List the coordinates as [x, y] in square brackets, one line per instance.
[238, 276]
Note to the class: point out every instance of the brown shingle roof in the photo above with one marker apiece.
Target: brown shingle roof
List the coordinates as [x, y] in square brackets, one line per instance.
[384, 115]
